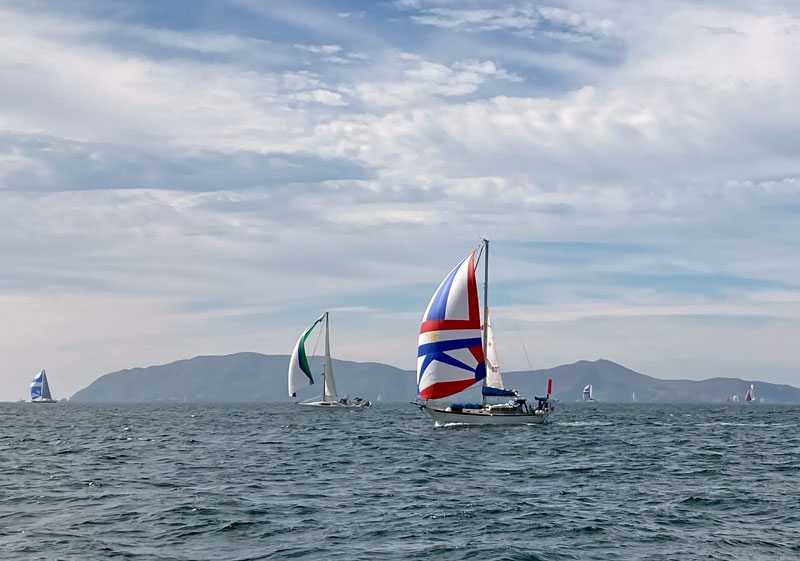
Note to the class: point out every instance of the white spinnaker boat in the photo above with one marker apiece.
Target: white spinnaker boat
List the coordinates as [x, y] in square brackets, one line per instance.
[588, 393]
[300, 374]
[751, 394]
[40, 389]
[451, 351]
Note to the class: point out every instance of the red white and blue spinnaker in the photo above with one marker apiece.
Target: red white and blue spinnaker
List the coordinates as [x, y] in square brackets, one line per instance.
[450, 353]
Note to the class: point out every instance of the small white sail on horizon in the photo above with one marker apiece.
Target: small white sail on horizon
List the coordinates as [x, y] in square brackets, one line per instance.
[751, 394]
[587, 393]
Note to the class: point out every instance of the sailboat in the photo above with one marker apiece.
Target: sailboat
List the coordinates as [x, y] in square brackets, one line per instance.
[456, 352]
[40, 389]
[588, 396]
[300, 374]
[750, 396]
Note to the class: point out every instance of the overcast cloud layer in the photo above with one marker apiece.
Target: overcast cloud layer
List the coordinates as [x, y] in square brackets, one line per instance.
[189, 178]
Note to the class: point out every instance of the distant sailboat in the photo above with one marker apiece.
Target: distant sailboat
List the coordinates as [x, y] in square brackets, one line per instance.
[588, 396]
[455, 352]
[633, 396]
[40, 389]
[735, 398]
[300, 374]
[751, 394]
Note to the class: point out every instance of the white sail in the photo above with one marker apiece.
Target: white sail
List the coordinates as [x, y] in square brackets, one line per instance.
[587, 393]
[330, 385]
[46, 387]
[299, 370]
[40, 389]
[493, 377]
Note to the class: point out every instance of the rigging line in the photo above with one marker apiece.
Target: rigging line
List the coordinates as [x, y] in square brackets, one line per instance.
[319, 336]
[513, 317]
[478, 259]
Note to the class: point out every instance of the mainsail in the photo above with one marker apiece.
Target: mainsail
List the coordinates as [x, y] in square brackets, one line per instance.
[494, 380]
[493, 377]
[751, 394]
[299, 370]
[40, 389]
[587, 393]
[330, 386]
[450, 353]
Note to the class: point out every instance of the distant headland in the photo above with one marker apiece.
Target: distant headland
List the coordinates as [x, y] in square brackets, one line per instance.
[254, 377]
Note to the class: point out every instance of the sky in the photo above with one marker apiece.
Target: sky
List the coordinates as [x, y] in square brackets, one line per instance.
[204, 177]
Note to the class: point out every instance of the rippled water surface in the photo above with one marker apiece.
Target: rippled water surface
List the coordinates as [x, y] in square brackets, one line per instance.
[241, 482]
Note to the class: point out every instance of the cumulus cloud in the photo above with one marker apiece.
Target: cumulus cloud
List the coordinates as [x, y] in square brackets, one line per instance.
[325, 97]
[424, 80]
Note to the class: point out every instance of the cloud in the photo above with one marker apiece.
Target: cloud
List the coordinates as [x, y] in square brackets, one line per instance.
[525, 19]
[423, 80]
[230, 183]
[320, 49]
[325, 97]
[191, 41]
[351, 14]
[44, 163]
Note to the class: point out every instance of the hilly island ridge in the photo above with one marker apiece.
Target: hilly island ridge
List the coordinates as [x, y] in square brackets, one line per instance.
[254, 377]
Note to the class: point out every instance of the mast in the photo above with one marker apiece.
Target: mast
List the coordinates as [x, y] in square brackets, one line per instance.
[485, 310]
[327, 354]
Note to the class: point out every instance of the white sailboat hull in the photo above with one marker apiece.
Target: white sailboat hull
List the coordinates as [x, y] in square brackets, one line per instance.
[43, 400]
[484, 417]
[335, 404]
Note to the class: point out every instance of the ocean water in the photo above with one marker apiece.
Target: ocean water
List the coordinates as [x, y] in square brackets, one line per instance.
[246, 482]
